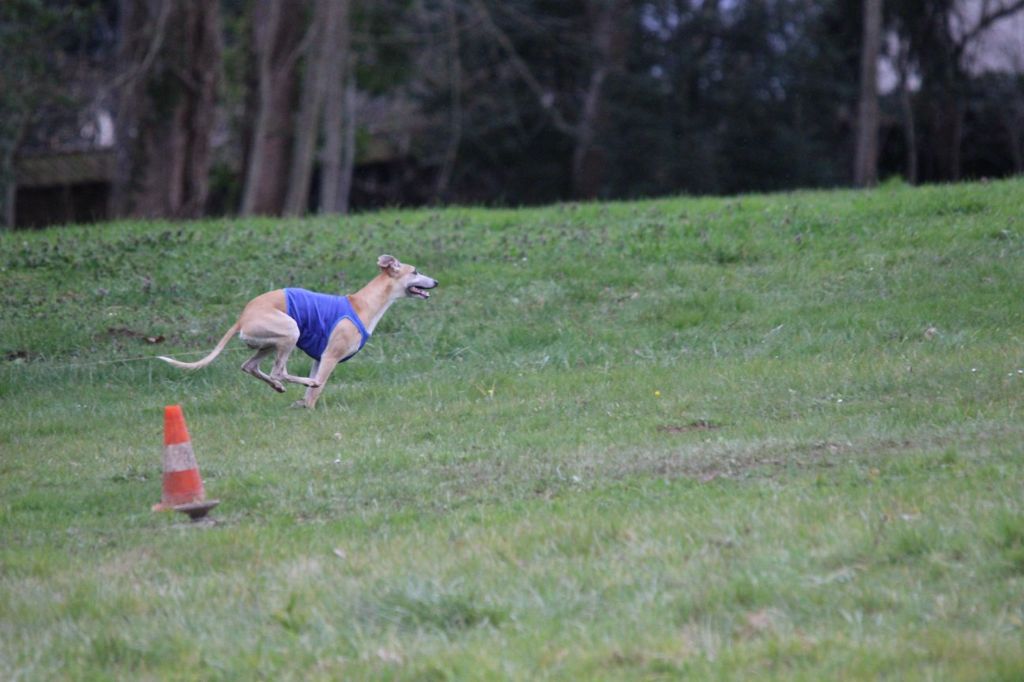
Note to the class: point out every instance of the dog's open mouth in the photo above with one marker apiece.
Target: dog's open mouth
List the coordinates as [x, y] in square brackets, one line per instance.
[418, 292]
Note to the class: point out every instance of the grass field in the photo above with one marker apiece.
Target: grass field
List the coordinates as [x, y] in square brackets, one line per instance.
[765, 437]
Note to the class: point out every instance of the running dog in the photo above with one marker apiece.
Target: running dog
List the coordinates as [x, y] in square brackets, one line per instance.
[330, 329]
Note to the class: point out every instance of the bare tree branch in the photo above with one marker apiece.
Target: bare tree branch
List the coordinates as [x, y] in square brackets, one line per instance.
[155, 44]
[986, 20]
[545, 97]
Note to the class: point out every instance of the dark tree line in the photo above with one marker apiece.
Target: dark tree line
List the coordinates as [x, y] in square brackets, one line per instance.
[279, 107]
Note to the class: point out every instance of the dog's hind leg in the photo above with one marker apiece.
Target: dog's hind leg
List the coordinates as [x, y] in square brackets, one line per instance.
[272, 331]
[280, 369]
[252, 366]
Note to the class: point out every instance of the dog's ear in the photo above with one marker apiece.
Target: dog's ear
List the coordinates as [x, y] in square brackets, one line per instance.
[389, 264]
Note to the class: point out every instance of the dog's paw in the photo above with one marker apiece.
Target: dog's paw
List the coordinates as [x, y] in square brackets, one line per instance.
[299, 405]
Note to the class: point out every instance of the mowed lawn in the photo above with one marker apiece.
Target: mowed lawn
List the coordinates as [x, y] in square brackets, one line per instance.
[763, 437]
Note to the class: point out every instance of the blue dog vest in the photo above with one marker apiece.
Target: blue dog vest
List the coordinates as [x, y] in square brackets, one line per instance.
[317, 315]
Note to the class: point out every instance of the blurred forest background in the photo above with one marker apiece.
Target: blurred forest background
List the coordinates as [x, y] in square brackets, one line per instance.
[187, 108]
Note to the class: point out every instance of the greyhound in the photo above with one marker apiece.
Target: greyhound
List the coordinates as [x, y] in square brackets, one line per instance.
[330, 329]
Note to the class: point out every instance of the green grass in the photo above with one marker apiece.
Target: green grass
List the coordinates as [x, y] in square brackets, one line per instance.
[765, 437]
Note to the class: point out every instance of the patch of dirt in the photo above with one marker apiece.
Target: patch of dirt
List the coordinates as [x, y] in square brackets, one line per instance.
[758, 461]
[125, 333]
[744, 465]
[698, 425]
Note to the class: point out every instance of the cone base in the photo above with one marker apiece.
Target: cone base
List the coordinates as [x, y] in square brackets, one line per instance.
[196, 510]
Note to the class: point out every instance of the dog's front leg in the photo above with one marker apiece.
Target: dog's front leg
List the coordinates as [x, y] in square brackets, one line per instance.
[312, 375]
[343, 343]
[320, 373]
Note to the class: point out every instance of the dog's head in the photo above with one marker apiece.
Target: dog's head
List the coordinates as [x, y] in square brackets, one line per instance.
[405, 279]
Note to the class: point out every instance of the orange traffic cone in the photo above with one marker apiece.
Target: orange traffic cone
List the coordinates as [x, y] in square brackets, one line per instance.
[183, 487]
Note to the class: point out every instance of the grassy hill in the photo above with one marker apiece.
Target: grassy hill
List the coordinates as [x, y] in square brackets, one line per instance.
[763, 437]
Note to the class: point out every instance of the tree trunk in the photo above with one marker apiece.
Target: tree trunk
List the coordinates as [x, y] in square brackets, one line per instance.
[171, 52]
[10, 198]
[609, 41]
[335, 115]
[8, 149]
[202, 74]
[444, 176]
[907, 115]
[865, 172]
[945, 135]
[277, 42]
[1013, 121]
[587, 168]
[314, 87]
[348, 162]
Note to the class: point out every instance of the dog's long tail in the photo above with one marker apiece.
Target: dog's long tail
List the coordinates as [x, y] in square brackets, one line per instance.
[199, 364]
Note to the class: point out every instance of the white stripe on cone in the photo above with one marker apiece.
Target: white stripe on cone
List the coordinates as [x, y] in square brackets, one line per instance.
[179, 457]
